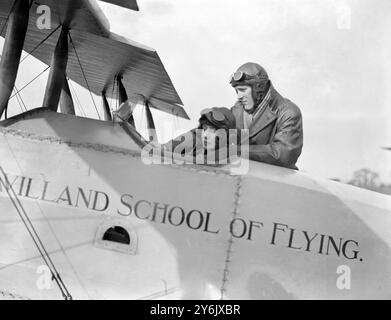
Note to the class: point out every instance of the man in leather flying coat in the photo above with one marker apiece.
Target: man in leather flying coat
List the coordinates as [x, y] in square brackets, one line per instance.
[274, 122]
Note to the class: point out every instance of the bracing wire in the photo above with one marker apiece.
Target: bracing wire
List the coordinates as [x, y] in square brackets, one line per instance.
[79, 106]
[20, 97]
[84, 75]
[28, 54]
[40, 43]
[20, 105]
[30, 228]
[30, 82]
[34, 235]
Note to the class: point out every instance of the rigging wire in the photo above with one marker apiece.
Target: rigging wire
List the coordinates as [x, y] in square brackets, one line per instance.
[20, 97]
[40, 43]
[1, 34]
[20, 105]
[78, 103]
[35, 78]
[67, 297]
[28, 54]
[80, 108]
[84, 75]
[34, 235]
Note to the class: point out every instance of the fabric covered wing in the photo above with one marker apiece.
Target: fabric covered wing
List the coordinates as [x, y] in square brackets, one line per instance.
[103, 55]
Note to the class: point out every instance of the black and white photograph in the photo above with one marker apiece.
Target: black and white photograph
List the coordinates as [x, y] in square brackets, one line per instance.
[194, 150]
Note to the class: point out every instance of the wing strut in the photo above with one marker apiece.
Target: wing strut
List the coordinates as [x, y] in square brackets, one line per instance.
[106, 108]
[66, 101]
[57, 74]
[12, 50]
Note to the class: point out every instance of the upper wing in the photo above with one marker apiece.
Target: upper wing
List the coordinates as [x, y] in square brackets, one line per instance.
[102, 54]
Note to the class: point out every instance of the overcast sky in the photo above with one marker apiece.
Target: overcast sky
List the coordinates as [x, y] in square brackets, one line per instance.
[332, 58]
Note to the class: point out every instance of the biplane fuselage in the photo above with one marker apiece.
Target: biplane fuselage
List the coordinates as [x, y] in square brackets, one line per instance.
[116, 227]
[194, 231]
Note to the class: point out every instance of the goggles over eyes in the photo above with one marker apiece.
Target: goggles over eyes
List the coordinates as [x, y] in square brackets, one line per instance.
[217, 115]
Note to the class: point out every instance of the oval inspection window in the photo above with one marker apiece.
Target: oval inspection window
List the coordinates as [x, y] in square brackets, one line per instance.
[117, 234]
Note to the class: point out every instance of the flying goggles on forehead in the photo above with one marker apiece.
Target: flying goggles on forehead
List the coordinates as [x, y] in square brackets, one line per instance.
[240, 76]
[217, 115]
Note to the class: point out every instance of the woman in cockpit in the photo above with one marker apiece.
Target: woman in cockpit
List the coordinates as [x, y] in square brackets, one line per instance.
[210, 142]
